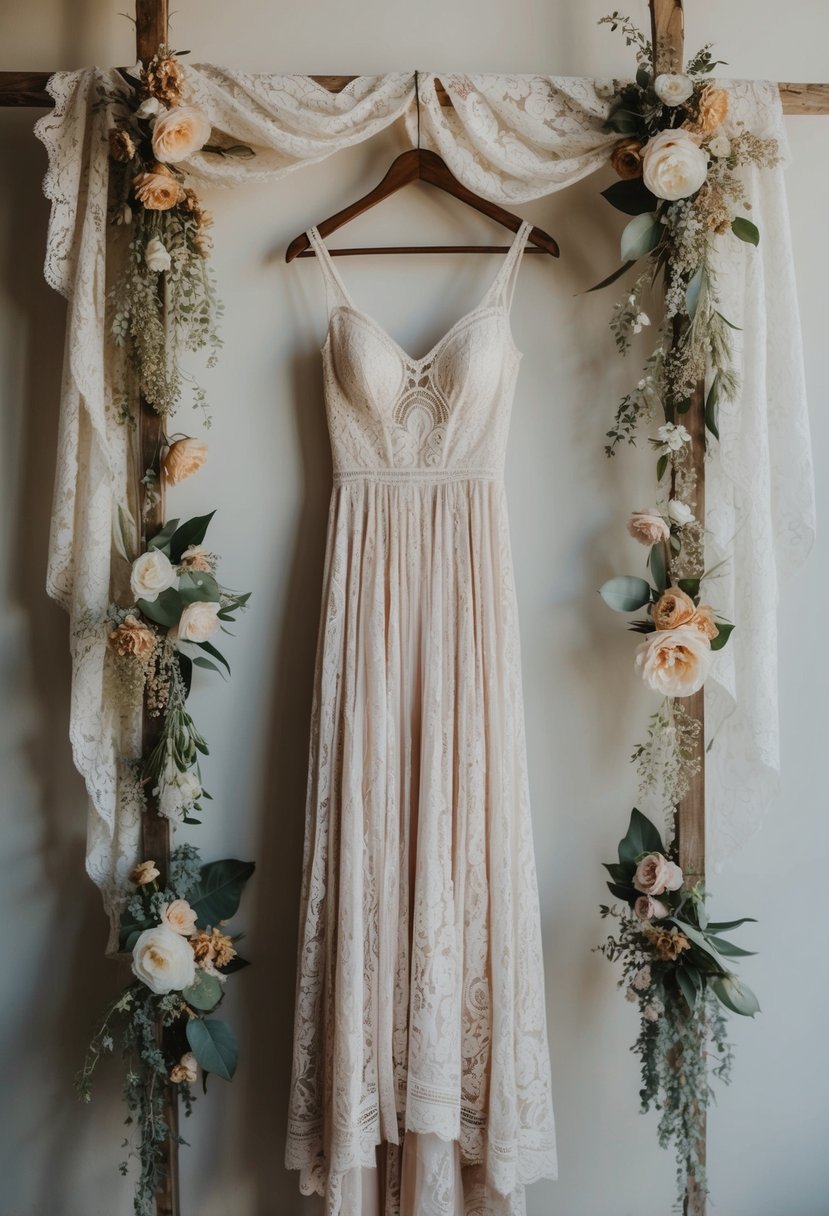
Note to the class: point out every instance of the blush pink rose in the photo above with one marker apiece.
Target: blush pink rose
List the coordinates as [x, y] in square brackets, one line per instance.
[648, 908]
[655, 875]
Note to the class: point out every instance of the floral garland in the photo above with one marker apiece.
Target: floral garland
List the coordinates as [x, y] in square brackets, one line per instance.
[679, 181]
[674, 968]
[162, 303]
[153, 319]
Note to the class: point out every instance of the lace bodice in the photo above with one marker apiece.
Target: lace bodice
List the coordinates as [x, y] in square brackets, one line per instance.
[445, 416]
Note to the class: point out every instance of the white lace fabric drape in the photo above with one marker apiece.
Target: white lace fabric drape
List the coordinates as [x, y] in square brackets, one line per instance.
[511, 138]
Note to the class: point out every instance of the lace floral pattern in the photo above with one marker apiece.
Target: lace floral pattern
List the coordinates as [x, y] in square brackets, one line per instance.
[511, 138]
[420, 1000]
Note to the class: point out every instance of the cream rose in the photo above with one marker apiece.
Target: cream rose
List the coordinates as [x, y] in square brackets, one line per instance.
[163, 960]
[179, 917]
[187, 1069]
[156, 255]
[673, 165]
[720, 146]
[197, 622]
[152, 573]
[648, 908]
[675, 662]
[184, 458]
[177, 793]
[672, 609]
[143, 873]
[179, 133]
[159, 190]
[648, 528]
[672, 88]
[703, 620]
[679, 512]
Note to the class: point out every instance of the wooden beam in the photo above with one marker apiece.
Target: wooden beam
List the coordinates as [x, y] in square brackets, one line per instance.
[668, 32]
[29, 89]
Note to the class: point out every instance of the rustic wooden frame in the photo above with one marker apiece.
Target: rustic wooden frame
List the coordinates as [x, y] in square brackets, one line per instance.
[667, 27]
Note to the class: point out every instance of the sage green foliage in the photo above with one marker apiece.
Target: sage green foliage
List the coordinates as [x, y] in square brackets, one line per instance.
[131, 1022]
[682, 1043]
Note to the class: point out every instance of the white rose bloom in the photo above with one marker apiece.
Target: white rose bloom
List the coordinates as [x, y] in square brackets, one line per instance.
[156, 256]
[149, 108]
[198, 622]
[673, 88]
[163, 960]
[673, 165]
[672, 436]
[719, 146]
[152, 573]
[177, 793]
[675, 662]
[180, 132]
[679, 512]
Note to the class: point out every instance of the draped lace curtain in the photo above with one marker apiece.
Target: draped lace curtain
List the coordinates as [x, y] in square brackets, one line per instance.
[512, 139]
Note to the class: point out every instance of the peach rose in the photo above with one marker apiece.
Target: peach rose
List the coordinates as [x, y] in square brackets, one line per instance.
[198, 558]
[703, 620]
[179, 133]
[626, 158]
[179, 917]
[648, 528]
[672, 609]
[187, 1069]
[197, 623]
[674, 662]
[713, 108]
[647, 908]
[133, 638]
[184, 458]
[145, 872]
[158, 190]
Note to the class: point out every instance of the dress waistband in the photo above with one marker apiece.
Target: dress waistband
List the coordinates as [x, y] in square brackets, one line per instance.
[393, 476]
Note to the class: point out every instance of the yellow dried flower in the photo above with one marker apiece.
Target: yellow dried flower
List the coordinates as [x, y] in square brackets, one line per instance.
[712, 109]
[164, 78]
[202, 945]
[668, 944]
[223, 948]
[145, 872]
[133, 638]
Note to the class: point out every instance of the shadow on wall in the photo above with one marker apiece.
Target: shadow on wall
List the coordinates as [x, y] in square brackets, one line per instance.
[60, 932]
[269, 993]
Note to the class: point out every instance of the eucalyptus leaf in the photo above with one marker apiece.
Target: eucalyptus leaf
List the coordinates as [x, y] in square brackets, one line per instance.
[165, 609]
[201, 661]
[724, 631]
[197, 587]
[661, 466]
[745, 230]
[214, 1045]
[625, 593]
[698, 938]
[217, 654]
[205, 993]
[216, 895]
[712, 407]
[640, 236]
[728, 949]
[735, 995]
[162, 538]
[692, 292]
[658, 566]
[723, 926]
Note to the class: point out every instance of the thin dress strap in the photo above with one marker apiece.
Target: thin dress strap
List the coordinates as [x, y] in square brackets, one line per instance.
[503, 287]
[336, 294]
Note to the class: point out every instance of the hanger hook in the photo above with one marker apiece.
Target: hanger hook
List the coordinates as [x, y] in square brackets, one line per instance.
[417, 101]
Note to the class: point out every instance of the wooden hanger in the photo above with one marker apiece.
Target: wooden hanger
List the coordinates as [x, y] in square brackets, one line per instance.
[420, 165]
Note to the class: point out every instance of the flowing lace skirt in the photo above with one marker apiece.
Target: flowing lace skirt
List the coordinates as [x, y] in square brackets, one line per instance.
[420, 1022]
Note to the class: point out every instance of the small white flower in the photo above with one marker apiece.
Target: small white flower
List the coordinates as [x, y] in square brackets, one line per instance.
[642, 979]
[177, 792]
[720, 146]
[156, 255]
[124, 215]
[672, 88]
[679, 512]
[149, 108]
[631, 996]
[673, 437]
[152, 573]
[643, 319]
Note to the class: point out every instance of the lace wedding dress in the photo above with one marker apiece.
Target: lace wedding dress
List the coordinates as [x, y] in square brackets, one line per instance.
[421, 1081]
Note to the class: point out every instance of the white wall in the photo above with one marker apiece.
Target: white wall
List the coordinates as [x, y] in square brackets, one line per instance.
[269, 475]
